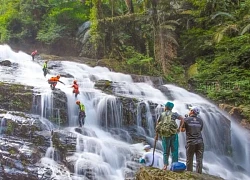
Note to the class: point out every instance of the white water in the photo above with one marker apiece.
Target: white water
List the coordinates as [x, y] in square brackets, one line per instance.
[98, 150]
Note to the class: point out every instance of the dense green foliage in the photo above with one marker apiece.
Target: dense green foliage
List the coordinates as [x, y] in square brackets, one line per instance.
[152, 37]
[43, 20]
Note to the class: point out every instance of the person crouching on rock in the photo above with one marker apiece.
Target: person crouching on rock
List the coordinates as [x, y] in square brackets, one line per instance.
[82, 115]
[53, 81]
[148, 157]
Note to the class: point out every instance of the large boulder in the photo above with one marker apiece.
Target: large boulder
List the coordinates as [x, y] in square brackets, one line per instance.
[15, 97]
[240, 113]
[148, 173]
[54, 108]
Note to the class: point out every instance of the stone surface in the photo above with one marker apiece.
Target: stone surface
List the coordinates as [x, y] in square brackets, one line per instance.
[149, 173]
[240, 114]
[15, 97]
[5, 63]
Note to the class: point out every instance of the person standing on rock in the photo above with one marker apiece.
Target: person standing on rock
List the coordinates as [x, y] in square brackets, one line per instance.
[82, 114]
[45, 68]
[148, 157]
[193, 126]
[168, 130]
[76, 88]
[33, 54]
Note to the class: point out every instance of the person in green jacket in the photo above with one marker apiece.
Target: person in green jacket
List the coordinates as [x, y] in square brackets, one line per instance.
[82, 114]
[45, 68]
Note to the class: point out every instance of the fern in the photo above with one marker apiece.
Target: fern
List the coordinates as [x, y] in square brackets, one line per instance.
[245, 29]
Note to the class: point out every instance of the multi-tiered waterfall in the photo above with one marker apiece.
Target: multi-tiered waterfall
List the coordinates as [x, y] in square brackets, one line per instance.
[103, 146]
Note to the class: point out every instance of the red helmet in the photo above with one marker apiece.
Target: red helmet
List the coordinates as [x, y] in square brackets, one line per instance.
[78, 102]
[75, 81]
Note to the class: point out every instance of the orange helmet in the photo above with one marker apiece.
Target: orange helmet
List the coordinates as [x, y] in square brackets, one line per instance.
[78, 102]
[58, 76]
[75, 81]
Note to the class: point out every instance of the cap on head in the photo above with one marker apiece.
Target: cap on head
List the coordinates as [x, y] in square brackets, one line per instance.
[195, 110]
[146, 147]
[78, 102]
[169, 105]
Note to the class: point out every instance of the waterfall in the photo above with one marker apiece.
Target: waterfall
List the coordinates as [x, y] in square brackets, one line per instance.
[103, 146]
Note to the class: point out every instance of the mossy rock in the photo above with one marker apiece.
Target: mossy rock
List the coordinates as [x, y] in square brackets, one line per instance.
[150, 173]
[16, 97]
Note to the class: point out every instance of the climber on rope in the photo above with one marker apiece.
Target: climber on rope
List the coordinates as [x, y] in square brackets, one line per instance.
[53, 81]
[45, 68]
[82, 114]
[33, 54]
[76, 88]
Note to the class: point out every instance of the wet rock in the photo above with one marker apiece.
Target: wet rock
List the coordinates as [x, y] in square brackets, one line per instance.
[64, 143]
[154, 81]
[16, 97]
[5, 63]
[149, 173]
[166, 92]
[240, 113]
[57, 111]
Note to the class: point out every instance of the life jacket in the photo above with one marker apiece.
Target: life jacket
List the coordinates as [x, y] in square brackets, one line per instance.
[54, 79]
[45, 66]
[33, 53]
[81, 107]
[75, 86]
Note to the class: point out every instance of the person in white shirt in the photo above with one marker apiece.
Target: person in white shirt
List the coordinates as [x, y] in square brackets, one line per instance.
[147, 157]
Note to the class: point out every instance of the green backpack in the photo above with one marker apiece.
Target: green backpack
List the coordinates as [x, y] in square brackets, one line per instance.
[166, 127]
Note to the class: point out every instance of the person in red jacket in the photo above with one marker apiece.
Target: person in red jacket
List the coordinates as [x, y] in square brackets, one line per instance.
[76, 88]
[53, 81]
[33, 54]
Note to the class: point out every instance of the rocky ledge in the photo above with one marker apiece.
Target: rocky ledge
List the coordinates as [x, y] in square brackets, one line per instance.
[149, 173]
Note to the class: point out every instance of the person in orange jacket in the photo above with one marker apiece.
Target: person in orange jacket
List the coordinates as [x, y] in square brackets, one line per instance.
[33, 54]
[76, 88]
[53, 81]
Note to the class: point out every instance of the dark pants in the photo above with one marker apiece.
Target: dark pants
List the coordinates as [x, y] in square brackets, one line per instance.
[198, 150]
[33, 57]
[45, 72]
[52, 84]
[81, 118]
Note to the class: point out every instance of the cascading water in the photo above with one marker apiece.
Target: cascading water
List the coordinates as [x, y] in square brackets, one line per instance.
[101, 152]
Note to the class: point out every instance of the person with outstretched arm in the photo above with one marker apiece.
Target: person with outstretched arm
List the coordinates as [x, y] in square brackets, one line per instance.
[76, 88]
[53, 81]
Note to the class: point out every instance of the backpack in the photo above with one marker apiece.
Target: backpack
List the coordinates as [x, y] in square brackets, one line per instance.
[178, 167]
[167, 126]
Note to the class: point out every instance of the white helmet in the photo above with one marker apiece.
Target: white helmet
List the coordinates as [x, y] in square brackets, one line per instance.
[196, 110]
